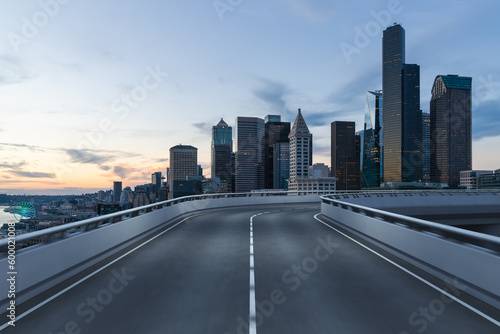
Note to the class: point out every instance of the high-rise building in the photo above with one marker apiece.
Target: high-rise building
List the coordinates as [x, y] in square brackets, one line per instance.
[281, 165]
[345, 155]
[117, 191]
[249, 154]
[183, 163]
[222, 147]
[221, 165]
[156, 182]
[301, 152]
[371, 157]
[222, 134]
[426, 147]
[275, 131]
[402, 120]
[300, 148]
[451, 128]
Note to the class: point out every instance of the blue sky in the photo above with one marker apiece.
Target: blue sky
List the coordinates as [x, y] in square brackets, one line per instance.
[96, 91]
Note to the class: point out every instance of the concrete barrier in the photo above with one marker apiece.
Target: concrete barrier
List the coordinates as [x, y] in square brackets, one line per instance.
[477, 268]
[43, 266]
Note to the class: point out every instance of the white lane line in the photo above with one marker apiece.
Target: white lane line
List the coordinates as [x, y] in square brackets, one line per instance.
[253, 312]
[36, 307]
[472, 308]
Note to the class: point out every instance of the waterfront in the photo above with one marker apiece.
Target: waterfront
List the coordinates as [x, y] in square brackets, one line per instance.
[5, 217]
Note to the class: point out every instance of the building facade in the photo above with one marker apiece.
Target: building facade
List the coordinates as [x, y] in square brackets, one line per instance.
[275, 131]
[249, 169]
[183, 163]
[221, 166]
[402, 119]
[345, 155]
[281, 165]
[371, 157]
[451, 128]
[426, 147]
[469, 179]
[117, 191]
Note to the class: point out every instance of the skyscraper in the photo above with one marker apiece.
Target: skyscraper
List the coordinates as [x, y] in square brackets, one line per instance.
[249, 154]
[156, 182]
[222, 134]
[221, 165]
[426, 147]
[345, 155]
[451, 128]
[371, 167]
[222, 147]
[402, 120]
[183, 163]
[300, 148]
[276, 131]
[117, 190]
[281, 165]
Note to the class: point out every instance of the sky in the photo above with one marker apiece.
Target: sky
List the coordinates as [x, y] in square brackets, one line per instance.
[93, 92]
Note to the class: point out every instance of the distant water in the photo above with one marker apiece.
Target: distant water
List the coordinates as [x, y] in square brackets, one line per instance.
[6, 217]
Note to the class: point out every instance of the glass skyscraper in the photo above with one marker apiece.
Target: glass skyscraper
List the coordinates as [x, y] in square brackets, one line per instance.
[249, 154]
[451, 128]
[345, 155]
[222, 147]
[371, 162]
[276, 131]
[281, 165]
[402, 121]
[426, 147]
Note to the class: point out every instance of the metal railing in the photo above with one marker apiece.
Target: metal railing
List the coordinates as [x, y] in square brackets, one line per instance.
[439, 230]
[61, 231]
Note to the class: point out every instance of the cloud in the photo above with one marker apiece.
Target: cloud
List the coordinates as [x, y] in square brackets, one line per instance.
[34, 175]
[122, 171]
[15, 70]
[14, 165]
[272, 93]
[88, 157]
[33, 148]
[204, 127]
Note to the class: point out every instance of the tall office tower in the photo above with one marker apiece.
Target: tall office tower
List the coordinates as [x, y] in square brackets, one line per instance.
[183, 163]
[276, 131]
[249, 154]
[281, 165]
[426, 147]
[402, 120]
[345, 155]
[117, 190]
[221, 155]
[233, 172]
[222, 147]
[156, 182]
[451, 128]
[371, 157]
[300, 149]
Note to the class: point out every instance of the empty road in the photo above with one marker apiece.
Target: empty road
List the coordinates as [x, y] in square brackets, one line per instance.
[250, 270]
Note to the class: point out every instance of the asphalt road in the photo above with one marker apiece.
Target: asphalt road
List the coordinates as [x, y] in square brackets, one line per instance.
[194, 278]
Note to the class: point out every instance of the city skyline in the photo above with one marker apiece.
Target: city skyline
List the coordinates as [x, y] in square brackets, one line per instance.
[68, 127]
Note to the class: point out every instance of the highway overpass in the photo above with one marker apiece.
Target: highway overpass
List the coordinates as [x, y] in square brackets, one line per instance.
[270, 264]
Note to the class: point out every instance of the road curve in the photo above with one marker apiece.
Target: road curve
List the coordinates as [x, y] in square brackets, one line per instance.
[194, 278]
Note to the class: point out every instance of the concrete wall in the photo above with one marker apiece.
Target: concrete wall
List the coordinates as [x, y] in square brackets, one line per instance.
[477, 268]
[485, 207]
[42, 266]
